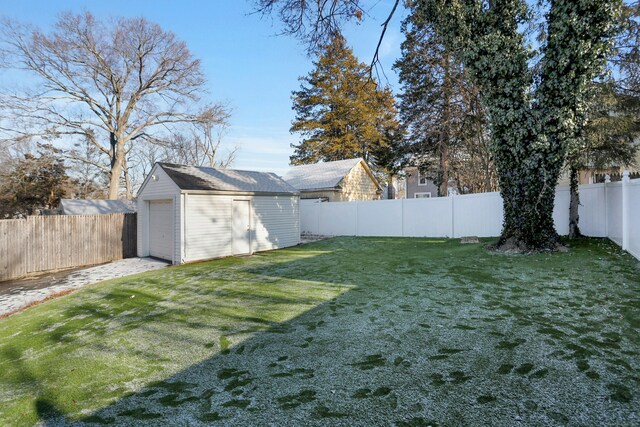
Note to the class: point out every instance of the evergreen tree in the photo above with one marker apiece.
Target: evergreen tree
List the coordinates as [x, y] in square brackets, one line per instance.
[446, 130]
[342, 113]
[535, 112]
[614, 115]
[627, 58]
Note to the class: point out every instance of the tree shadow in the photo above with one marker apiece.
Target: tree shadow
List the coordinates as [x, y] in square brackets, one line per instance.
[414, 337]
[48, 413]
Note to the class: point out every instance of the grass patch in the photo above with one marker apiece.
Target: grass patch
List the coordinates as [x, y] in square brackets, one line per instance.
[359, 331]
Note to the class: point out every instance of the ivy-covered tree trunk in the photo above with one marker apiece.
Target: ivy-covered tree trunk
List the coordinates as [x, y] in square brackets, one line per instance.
[535, 113]
[528, 213]
[574, 204]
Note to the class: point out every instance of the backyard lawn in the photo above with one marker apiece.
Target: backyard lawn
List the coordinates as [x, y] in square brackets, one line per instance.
[347, 331]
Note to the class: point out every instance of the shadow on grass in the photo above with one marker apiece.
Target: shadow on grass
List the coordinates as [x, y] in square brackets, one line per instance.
[427, 334]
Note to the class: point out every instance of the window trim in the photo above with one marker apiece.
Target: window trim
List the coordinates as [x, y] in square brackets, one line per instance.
[426, 180]
[415, 195]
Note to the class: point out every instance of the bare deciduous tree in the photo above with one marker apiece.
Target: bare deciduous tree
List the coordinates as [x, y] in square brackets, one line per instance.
[315, 23]
[111, 83]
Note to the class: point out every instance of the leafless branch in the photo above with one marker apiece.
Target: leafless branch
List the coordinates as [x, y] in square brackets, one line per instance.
[112, 84]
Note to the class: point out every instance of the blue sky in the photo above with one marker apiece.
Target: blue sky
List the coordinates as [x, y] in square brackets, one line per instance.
[247, 64]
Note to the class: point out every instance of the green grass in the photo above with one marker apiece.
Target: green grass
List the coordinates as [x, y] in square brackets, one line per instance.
[349, 331]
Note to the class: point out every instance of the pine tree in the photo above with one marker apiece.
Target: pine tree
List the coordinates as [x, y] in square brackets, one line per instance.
[607, 141]
[446, 129]
[613, 120]
[342, 113]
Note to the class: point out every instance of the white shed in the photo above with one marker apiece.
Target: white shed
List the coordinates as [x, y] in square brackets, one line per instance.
[190, 213]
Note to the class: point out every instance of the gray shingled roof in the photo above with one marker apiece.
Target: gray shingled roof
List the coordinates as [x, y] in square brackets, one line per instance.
[95, 207]
[203, 178]
[319, 176]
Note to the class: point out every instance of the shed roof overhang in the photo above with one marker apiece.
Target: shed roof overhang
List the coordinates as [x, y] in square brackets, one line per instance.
[237, 193]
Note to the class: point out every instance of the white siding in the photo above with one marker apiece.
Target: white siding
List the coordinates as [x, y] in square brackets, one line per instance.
[162, 188]
[275, 222]
[208, 226]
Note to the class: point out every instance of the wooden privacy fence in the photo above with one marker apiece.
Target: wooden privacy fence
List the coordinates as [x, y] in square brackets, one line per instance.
[42, 243]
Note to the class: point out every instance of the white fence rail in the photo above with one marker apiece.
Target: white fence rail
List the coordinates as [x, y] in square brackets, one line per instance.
[606, 210]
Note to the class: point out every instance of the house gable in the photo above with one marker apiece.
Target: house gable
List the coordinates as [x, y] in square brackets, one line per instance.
[360, 184]
[157, 181]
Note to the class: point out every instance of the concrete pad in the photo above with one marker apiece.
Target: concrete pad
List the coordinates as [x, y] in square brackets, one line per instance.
[469, 239]
[17, 294]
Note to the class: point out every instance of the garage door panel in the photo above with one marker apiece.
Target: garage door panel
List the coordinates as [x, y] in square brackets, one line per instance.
[161, 229]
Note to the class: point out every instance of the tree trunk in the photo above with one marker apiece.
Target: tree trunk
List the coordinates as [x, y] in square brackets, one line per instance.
[391, 191]
[574, 191]
[117, 160]
[128, 186]
[445, 133]
[528, 195]
[443, 189]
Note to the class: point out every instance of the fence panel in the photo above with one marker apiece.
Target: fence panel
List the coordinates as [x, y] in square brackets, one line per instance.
[592, 210]
[338, 219]
[379, 217]
[561, 211]
[43, 243]
[633, 213]
[309, 216]
[477, 215]
[614, 211]
[427, 217]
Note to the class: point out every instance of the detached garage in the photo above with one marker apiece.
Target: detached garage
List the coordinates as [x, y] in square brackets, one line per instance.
[190, 213]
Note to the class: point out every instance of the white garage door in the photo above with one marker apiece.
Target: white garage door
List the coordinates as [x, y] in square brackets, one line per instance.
[161, 229]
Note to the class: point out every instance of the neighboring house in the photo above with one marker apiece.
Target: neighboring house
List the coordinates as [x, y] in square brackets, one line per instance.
[96, 207]
[418, 185]
[190, 213]
[338, 181]
[594, 176]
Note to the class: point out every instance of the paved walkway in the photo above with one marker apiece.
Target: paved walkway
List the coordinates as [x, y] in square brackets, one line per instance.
[17, 294]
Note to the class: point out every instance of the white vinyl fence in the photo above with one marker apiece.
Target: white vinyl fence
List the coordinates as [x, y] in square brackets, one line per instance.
[606, 210]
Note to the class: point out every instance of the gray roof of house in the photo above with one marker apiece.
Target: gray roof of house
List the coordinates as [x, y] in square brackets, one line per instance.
[95, 207]
[319, 176]
[239, 181]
